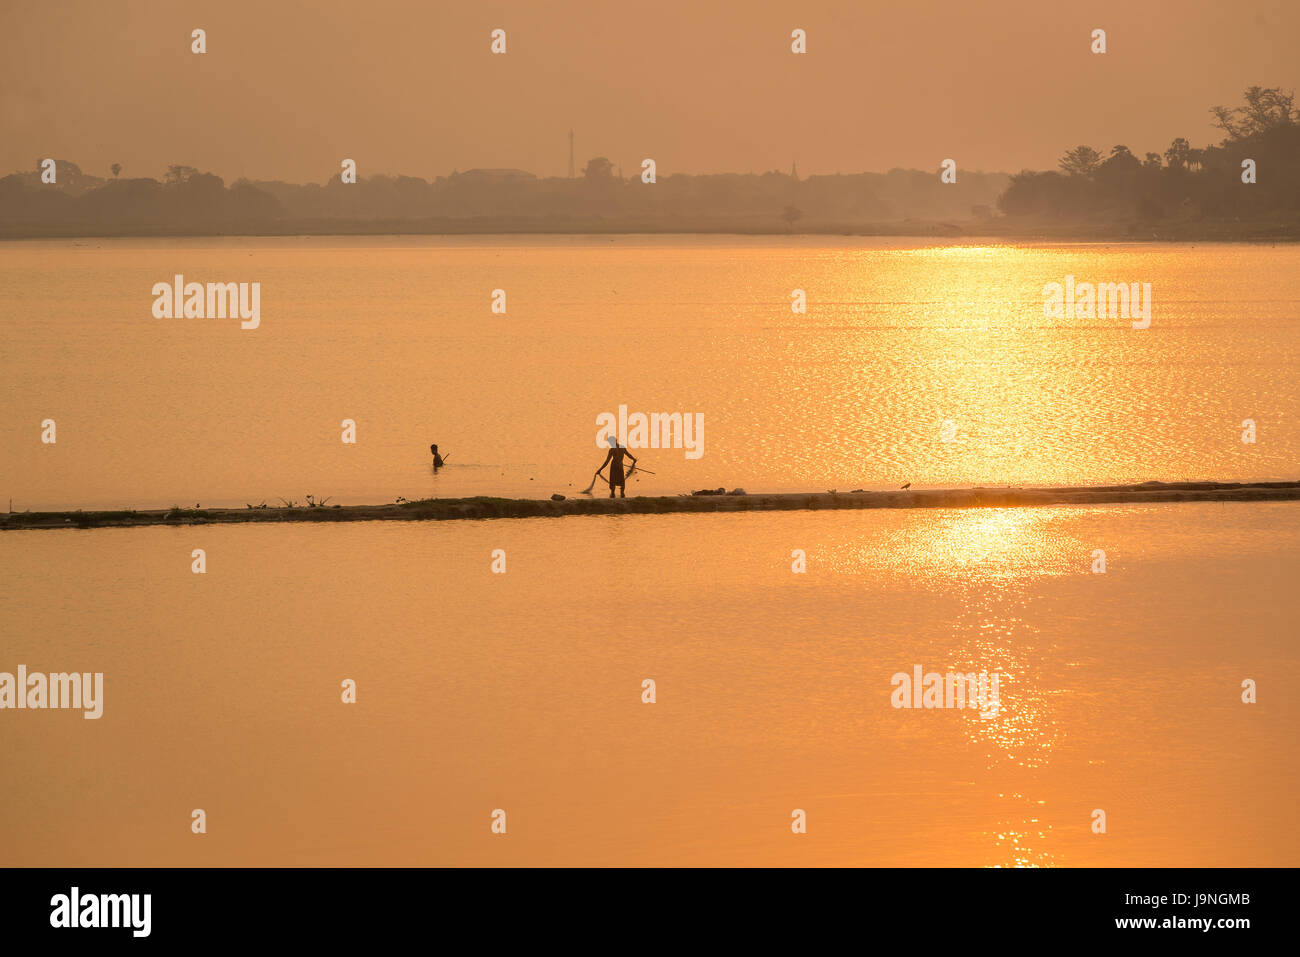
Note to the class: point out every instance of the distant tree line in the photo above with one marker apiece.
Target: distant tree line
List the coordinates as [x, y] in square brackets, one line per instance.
[189, 200]
[1182, 183]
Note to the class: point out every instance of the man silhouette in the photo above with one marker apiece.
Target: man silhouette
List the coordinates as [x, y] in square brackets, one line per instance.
[614, 459]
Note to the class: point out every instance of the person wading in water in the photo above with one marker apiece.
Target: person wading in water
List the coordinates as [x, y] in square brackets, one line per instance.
[437, 459]
[614, 459]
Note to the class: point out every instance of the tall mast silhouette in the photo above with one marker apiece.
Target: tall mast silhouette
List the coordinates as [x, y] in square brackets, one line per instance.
[572, 174]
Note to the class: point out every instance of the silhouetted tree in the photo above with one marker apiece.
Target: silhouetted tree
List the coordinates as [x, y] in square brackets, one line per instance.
[1187, 183]
[598, 169]
[1080, 161]
[177, 174]
[1266, 108]
[1177, 154]
[116, 168]
[1120, 159]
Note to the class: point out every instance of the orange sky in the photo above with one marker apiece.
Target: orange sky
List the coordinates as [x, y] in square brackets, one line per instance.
[288, 88]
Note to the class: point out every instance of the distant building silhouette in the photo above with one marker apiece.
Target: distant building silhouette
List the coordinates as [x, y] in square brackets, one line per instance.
[572, 171]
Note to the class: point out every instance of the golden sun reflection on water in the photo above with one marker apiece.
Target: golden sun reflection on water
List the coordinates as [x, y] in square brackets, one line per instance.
[1021, 833]
[1116, 691]
[987, 547]
[896, 341]
[1006, 548]
[990, 556]
[1000, 543]
[988, 563]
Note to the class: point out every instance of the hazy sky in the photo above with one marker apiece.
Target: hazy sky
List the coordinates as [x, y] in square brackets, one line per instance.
[288, 88]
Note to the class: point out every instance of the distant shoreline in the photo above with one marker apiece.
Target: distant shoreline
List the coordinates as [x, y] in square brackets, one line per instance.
[451, 509]
[995, 231]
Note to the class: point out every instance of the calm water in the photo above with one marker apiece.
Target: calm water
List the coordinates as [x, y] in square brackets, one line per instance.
[398, 335]
[522, 691]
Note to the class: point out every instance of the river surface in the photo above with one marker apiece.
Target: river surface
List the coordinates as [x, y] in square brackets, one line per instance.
[522, 691]
[930, 364]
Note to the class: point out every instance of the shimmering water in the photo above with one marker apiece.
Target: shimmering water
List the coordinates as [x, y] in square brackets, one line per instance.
[522, 691]
[398, 335]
